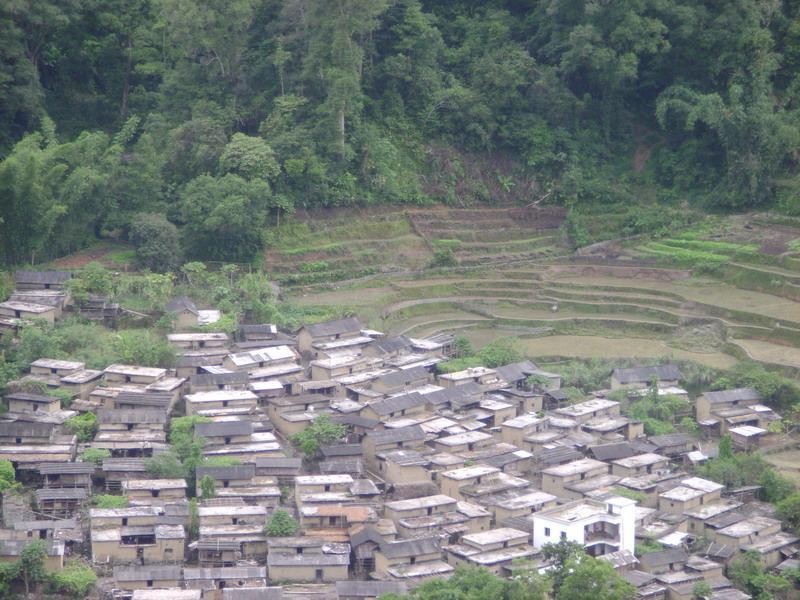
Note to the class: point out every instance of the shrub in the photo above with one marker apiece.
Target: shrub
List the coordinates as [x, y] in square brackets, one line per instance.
[443, 257]
[8, 476]
[84, 426]
[75, 580]
[95, 455]
[109, 501]
[321, 432]
[281, 524]
[157, 242]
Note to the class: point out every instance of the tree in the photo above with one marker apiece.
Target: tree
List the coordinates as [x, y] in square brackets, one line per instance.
[143, 347]
[250, 157]
[559, 555]
[75, 579]
[725, 448]
[157, 242]
[320, 432]
[591, 579]
[747, 573]
[224, 217]
[789, 511]
[83, 426]
[701, 590]
[31, 564]
[8, 476]
[95, 455]
[281, 524]
[207, 490]
[109, 501]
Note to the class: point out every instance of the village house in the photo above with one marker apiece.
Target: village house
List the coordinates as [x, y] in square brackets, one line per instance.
[710, 402]
[406, 405]
[149, 544]
[664, 561]
[691, 493]
[451, 482]
[412, 561]
[641, 377]
[773, 549]
[60, 503]
[80, 384]
[493, 550]
[329, 517]
[555, 479]
[590, 409]
[120, 374]
[11, 550]
[26, 432]
[747, 531]
[402, 466]
[21, 402]
[282, 469]
[167, 594]
[128, 577]
[479, 375]
[310, 487]
[50, 367]
[601, 526]
[221, 433]
[28, 310]
[154, 491]
[368, 590]
[639, 464]
[41, 280]
[233, 476]
[330, 331]
[746, 437]
[219, 379]
[437, 514]
[307, 559]
[514, 431]
[219, 399]
[214, 580]
[70, 475]
[116, 470]
[198, 341]
[386, 440]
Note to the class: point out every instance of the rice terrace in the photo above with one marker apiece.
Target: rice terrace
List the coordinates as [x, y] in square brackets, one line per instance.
[724, 290]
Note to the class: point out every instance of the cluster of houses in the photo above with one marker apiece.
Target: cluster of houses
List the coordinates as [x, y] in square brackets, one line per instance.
[481, 467]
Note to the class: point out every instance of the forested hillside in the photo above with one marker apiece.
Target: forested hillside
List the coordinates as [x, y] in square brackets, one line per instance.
[129, 118]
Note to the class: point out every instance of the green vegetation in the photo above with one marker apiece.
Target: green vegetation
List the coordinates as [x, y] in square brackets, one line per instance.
[207, 487]
[469, 583]
[501, 352]
[109, 501]
[778, 392]
[84, 426]
[8, 476]
[657, 412]
[789, 511]
[747, 573]
[95, 455]
[320, 432]
[75, 580]
[222, 122]
[740, 469]
[281, 524]
[648, 546]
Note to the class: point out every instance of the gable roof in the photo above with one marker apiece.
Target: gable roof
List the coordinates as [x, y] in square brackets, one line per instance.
[516, 371]
[369, 589]
[738, 394]
[393, 436]
[388, 406]
[645, 374]
[223, 428]
[663, 557]
[180, 304]
[329, 328]
[403, 377]
[606, 452]
[411, 547]
[42, 277]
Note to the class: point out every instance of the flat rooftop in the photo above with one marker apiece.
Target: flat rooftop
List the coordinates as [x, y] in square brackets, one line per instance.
[576, 467]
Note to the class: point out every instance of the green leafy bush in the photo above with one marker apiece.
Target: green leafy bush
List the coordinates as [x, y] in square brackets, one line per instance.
[109, 501]
[75, 580]
[281, 524]
[84, 426]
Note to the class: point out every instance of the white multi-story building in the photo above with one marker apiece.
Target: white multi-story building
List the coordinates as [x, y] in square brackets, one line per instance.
[602, 526]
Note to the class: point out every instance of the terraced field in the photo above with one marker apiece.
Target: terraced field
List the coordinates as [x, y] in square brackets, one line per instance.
[509, 273]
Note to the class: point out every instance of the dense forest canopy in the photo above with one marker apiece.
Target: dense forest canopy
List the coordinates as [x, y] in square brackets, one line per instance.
[224, 115]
